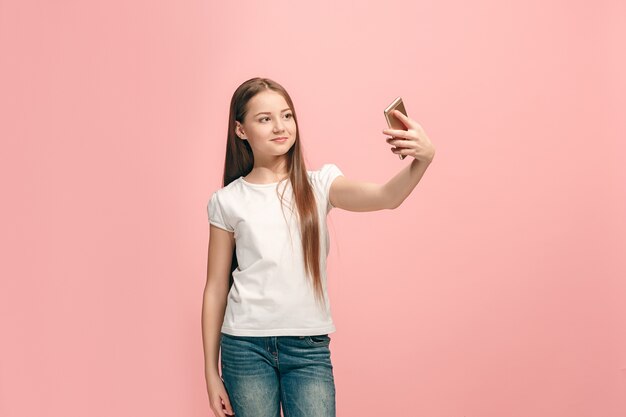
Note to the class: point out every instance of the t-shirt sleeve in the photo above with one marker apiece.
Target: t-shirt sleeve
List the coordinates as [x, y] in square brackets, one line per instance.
[327, 174]
[217, 215]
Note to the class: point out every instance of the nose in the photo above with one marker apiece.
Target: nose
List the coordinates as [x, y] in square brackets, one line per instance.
[278, 126]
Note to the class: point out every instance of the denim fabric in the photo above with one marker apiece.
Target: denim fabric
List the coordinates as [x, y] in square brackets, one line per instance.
[261, 373]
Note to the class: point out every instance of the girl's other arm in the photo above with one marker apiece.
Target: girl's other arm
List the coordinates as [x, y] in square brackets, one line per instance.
[365, 196]
[220, 253]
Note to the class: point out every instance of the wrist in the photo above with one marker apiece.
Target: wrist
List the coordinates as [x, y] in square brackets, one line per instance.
[212, 373]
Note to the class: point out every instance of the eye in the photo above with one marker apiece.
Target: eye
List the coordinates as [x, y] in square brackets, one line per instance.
[288, 115]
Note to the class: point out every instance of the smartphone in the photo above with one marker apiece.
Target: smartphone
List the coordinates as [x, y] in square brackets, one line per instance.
[392, 121]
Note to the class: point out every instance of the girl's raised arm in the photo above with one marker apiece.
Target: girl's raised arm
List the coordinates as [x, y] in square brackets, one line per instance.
[355, 195]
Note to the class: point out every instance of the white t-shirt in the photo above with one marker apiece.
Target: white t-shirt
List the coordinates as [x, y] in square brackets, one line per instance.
[271, 294]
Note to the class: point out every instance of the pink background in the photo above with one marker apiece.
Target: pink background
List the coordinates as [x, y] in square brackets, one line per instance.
[496, 290]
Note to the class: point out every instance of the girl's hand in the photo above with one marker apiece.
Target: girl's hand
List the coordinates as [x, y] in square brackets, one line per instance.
[412, 141]
[218, 398]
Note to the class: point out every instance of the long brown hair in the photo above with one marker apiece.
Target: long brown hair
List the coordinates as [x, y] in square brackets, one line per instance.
[240, 161]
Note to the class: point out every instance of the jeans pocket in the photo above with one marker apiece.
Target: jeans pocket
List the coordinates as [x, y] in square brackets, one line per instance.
[318, 340]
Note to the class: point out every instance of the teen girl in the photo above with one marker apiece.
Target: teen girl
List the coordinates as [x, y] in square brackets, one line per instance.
[265, 302]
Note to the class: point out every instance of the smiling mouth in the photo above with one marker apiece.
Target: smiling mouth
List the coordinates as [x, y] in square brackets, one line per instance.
[283, 138]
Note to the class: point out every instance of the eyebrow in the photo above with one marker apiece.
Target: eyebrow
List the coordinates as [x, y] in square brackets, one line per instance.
[266, 112]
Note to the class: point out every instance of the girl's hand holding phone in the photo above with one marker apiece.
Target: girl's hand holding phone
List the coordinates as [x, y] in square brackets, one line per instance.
[412, 141]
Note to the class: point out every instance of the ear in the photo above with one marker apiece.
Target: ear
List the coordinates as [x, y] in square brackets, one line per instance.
[239, 131]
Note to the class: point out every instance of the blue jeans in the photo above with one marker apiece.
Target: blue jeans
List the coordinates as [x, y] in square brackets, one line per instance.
[262, 372]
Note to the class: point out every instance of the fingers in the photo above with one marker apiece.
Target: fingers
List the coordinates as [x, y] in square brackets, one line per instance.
[222, 410]
[217, 410]
[408, 122]
[401, 143]
[405, 120]
[402, 146]
[403, 151]
[229, 408]
[397, 133]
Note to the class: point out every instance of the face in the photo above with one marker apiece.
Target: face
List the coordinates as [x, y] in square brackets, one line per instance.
[268, 117]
